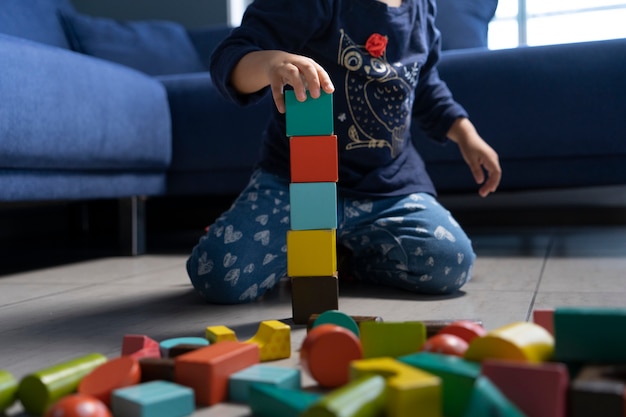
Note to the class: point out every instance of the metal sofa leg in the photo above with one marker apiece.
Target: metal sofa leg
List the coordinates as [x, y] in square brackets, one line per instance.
[132, 225]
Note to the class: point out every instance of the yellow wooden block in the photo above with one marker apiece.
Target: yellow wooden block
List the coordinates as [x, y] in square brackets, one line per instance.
[410, 391]
[274, 340]
[216, 334]
[311, 253]
[522, 341]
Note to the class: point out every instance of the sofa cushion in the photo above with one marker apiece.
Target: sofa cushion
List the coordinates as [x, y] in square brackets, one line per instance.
[36, 20]
[464, 23]
[94, 115]
[154, 47]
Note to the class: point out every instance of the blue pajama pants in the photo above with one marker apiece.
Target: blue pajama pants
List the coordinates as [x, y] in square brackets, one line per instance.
[409, 242]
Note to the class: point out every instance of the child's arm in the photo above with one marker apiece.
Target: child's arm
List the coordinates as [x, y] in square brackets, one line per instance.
[256, 70]
[478, 155]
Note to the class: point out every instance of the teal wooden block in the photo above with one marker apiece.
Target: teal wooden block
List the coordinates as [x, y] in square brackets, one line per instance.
[312, 117]
[457, 374]
[271, 401]
[487, 401]
[338, 318]
[313, 205]
[153, 399]
[240, 382]
[166, 345]
[586, 334]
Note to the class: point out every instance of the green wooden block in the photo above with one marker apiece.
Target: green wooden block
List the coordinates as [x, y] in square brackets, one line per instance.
[312, 117]
[39, 390]
[8, 390]
[590, 334]
[313, 205]
[488, 401]
[272, 401]
[457, 374]
[392, 339]
[153, 399]
[363, 397]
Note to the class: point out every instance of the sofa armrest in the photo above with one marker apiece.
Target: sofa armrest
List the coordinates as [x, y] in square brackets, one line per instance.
[64, 110]
[205, 40]
[545, 103]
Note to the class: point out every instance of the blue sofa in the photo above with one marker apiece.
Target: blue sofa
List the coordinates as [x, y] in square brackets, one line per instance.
[93, 108]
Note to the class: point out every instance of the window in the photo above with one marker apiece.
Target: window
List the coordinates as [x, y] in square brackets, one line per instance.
[544, 22]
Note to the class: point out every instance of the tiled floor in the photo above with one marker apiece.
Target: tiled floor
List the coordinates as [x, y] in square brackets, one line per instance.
[54, 314]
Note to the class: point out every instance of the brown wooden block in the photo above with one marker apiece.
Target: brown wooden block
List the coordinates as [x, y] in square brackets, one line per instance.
[156, 369]
[182, 349]
[313, 295]
[598, 390]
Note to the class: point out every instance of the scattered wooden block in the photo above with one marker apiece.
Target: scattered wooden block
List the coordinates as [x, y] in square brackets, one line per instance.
[521, 341]
[363, 396]
[166, 345]
[314, 158]
[39, 390]
[239, 383]
[590, 335]
[311, 253]
[598, 390]
[391, 339]
[140, 346]
[338, 318]
[78, 405]
[116, 373]
[153, 399]
[313, 205]
[457, 376]
[357, 319]
[272, 401]
[215, 334]
[8, 390]
[206, 370]
[156, 369]
[487, 400]
[313, 295]
[408, 389]
[544, 318]
[273, 339]
[312, 117]
[436, 326]
[326, 354]
[467, 330]
[538, 390]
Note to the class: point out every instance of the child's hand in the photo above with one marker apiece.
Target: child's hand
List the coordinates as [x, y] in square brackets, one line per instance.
[478, 155]
[275, 69]
[298, 71]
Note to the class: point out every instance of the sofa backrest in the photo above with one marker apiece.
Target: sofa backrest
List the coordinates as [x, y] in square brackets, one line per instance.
[36, 20]
[464, 23]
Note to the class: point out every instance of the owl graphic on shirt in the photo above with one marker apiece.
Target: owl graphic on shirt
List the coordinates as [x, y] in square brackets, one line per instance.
[379, 97]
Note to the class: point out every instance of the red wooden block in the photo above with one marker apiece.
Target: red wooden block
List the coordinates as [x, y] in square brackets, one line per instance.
[117, 373]
[539, 390]
[314, 158]
[206, 370]
[544, 318]
[139, 346]
[326, 354]
[467, 330]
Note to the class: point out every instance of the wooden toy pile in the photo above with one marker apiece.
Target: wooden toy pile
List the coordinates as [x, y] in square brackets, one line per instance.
[568, 362]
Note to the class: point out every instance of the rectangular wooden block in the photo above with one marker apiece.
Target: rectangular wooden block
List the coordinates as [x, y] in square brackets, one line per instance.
[312, 117]
[206, 370]
[391, 339]
[241, 382]
[590, 334]
[313, 205]
[538, 390]
[153, 399]
[313, 295]
[598, 390]
[311, 253]
[272, 401]
[488, 400]
[314, 158]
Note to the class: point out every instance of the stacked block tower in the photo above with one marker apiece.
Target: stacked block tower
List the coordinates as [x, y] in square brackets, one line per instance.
[311, 240]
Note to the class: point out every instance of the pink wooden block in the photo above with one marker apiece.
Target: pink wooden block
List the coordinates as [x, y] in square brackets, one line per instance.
[539, 390]
[140, 346]
[545, 318]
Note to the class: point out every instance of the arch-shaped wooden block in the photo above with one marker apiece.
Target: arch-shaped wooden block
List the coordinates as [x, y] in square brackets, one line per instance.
[274, 340]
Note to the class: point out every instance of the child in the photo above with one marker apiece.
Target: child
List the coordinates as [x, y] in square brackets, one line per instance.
[378, 58]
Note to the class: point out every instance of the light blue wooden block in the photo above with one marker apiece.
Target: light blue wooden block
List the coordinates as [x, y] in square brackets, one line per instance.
[240, 382]
[166, 345]
[312, 117]
[153, 399]
[313, 205]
